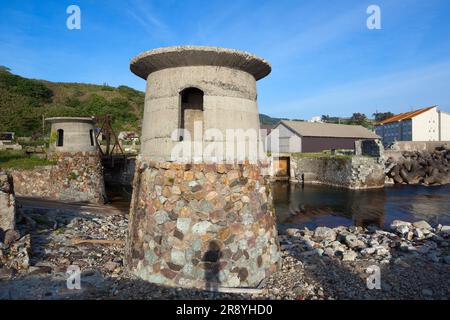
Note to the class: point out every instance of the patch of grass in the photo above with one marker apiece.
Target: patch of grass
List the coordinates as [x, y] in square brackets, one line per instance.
[20, 160]
[73, 176]
[33, 143]
[60, 230]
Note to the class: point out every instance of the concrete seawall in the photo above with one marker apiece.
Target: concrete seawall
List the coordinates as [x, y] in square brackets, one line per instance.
[357, 172]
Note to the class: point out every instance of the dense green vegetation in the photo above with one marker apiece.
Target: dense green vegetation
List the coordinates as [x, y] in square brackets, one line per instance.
[380, 116]
[265, 119]
[24, 102]
[358, 118]
[19, 159]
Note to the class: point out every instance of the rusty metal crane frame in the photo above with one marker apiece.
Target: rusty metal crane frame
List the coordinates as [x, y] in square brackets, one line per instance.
[107, 130]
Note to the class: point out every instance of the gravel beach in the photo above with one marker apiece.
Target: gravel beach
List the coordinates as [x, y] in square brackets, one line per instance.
[412, 260]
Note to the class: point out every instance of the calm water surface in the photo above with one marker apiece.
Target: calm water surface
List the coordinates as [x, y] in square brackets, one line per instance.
[318, 205]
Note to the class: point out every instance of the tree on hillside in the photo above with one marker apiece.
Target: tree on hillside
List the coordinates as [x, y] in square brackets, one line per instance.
[358, 119]
[4, 69]
[325, 118]
[380, 116]
[329, 119]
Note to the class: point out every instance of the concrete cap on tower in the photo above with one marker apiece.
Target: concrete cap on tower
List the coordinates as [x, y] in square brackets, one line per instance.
[181, 56]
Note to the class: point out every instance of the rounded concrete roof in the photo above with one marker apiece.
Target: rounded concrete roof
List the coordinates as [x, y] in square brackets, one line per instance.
[182, 56]
[70, 119]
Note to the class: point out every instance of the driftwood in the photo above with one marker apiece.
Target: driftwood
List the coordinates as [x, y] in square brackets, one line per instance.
[414, 167]
[96, 241]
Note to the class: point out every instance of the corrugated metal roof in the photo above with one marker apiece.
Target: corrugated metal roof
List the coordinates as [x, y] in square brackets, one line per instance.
[406, 115]
[315, 129]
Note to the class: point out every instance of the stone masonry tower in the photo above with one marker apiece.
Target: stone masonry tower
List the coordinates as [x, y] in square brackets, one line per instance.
[203, 219]
[72, 134]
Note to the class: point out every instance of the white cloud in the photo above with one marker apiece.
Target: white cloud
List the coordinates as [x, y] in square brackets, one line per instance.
[148, 18]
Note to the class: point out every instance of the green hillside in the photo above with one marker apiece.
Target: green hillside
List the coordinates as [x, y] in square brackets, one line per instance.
[265, 119]
[23, 103]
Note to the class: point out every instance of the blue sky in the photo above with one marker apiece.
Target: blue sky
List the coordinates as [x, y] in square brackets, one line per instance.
[324, 59]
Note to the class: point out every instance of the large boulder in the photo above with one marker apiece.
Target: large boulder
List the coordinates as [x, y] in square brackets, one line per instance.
[422, 225]
[7, 203]
[401, 227]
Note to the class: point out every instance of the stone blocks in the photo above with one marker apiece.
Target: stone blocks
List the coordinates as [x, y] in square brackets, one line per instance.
[198, 225]
[76, 176]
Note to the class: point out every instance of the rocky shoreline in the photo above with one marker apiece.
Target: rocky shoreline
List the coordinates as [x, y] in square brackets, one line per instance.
[325, 263]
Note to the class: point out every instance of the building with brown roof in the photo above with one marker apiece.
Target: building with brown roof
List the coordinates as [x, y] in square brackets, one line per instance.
[426, 124]
[299, 136]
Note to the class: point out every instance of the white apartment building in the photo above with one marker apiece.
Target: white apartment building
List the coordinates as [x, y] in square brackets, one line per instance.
[427, 124]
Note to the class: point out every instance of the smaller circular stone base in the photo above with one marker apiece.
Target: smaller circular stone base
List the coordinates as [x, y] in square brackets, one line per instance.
[201, 225]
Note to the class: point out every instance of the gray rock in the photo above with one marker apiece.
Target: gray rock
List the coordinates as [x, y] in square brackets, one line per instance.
[111, 266]
[161, 216]
[292, 231]
[401, 227]
[324, 233]
[178, 257]
[382, 251]
[7, 203]
[329, 252]
[349, 255]
[201, 227]
[308, 244]
[11, 236]
[397, 223]
[368, 251]
[418, 234]
[183, 224]
[445, 231]
[352, 241]
[318, 251]
[422, 225]
[403, 230]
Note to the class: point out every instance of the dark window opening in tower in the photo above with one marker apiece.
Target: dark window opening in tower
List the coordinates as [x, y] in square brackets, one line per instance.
[91, 135]
[191, 111]
[60, 137]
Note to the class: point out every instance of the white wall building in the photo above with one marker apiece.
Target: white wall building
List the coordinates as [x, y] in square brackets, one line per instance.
[302, 136]
[427, 124]
[316, 119]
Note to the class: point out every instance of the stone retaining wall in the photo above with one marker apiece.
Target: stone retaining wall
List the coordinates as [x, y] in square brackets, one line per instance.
[74, 177]
[7, 203]
[357, 172]
[201, 225]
